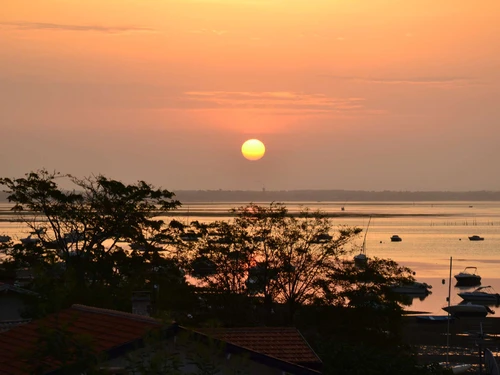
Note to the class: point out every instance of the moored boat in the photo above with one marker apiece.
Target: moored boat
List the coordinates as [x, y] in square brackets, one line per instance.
[415, 288]
[476, 238]
[468, 276]
[29, 240]
[396, 238]
[468, 309]
[457, 368]
[482, 294]
[4, 238]
[434, 318]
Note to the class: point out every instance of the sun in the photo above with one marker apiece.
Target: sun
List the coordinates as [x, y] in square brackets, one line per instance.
[253, 149]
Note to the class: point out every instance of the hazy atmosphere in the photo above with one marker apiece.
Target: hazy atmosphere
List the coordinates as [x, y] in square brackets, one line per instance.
[363, 95]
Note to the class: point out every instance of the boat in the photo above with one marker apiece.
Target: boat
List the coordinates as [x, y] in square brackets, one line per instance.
[468, 277]
[396, 238]
[452, 310]
[29, 240]
[476, 238]
[457, 369]
[361, 258]
[481, 294]
[322, 238]
[468, 309]
[4, 238]
[434, 318]
[189, 236]
[415, 288]
[73, 237]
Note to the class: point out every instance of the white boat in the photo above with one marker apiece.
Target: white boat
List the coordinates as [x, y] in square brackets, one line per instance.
[396, 238]
[457, 369]
[481, 294]
[468, 309]
[361, 258]
[468, 276]
[415, 288]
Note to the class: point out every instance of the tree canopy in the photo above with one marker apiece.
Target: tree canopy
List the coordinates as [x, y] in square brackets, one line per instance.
[78, 248]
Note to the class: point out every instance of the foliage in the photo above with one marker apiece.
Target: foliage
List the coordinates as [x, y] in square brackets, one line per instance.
[266, 252]
[78, 250]
[369, 284]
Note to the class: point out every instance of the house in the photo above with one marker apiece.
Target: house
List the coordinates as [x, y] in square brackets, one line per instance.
[12, 303]
[123, 339]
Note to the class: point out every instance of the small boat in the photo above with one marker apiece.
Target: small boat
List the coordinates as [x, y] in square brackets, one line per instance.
[189, 236]
[457, 369]
[38, 231]
[434, 318]
[29, 240]
[73, 237]
[396, 238]
[415, 288]
[322, 238]
[4, 238]
[468, 309]
[476, 238]
[481, 294]
[468, 277]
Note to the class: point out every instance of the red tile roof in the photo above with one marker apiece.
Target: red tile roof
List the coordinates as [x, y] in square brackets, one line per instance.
[284, 343]
[109, 329]
[112, 330]
[6, 325]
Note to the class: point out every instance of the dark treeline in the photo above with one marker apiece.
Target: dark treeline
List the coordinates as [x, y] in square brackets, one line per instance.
[344, 196]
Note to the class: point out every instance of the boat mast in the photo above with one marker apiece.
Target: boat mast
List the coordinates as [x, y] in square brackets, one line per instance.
[364, 239]
[448, 320]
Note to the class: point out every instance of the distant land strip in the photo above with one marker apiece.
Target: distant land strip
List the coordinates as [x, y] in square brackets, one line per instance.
[341, 196]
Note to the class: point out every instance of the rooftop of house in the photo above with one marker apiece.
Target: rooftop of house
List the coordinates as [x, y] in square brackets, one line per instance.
[6, 325]
[115, 332]
[108, 329]
[6, 287]
[285, 343]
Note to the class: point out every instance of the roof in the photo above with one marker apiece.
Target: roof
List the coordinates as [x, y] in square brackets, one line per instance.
[116, 332]
[109, 330]
[6, 325]
[284, 343]
[4, 287]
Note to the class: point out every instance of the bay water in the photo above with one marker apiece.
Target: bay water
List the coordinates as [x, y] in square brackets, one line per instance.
[431, 232]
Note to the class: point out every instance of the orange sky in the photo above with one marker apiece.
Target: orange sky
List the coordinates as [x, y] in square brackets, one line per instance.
[346, 94]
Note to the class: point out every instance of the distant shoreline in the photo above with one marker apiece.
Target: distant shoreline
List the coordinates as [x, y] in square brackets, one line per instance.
[342, 197]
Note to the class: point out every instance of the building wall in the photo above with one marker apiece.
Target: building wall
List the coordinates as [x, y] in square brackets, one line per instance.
[11, 305]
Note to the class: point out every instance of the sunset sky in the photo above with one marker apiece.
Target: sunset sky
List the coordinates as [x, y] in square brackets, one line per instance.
[345, 94]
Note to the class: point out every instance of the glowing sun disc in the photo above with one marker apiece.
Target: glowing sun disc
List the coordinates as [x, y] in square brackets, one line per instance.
[253, 149]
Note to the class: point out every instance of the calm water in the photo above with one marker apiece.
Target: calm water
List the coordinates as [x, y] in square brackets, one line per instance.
[432, 232]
